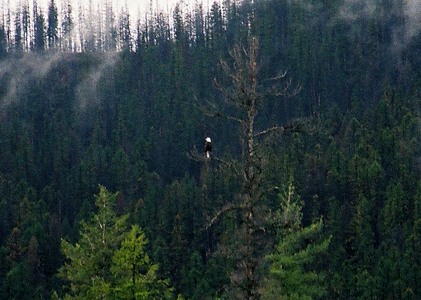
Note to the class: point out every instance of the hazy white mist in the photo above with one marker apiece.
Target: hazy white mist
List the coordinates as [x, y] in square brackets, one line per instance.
[135, 6]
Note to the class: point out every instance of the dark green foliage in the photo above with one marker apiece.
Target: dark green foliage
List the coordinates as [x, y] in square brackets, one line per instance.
[291, 275]
[295, 269]
[118, 107]
[202, 281]
[39, 31]
[52, 28]
[3, 42]
[108, 261]
[18, 33]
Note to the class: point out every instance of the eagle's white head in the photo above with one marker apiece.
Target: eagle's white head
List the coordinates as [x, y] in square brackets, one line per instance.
[208, 139]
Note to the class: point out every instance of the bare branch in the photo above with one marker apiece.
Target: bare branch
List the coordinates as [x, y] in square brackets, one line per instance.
[297, 125]
[285, 92]
[211, 110]
[228, 207]
[196, 156]
[273, 128]
[280, 75]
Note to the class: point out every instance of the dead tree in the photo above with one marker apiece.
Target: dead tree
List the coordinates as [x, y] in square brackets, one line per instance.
[246, 95]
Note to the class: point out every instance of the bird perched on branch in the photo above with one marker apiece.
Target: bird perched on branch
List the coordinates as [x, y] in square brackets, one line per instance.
[208, 146]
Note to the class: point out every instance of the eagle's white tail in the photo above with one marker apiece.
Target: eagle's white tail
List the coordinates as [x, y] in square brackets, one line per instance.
[207, 154]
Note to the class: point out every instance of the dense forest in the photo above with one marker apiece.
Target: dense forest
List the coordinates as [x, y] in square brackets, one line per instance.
[312, 189]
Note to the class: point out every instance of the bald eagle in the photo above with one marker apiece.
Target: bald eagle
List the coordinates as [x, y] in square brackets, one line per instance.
[208, 146]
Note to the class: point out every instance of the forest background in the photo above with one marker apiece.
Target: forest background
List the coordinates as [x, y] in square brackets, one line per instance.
[99, 100]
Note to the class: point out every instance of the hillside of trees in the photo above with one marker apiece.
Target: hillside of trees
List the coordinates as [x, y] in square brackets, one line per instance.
[313, 187]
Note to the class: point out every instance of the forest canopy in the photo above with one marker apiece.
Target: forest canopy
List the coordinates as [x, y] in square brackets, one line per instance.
[319, 153]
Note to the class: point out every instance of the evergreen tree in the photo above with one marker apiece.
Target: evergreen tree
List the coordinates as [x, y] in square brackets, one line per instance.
[26, 27]
[135, 273]
[179, 27]
[39, 30]
[108, 261]
[216, 28]
[293, 272]
[18, 32]
[67, 26]
[89, 261]
[3, 42]
[8, 26]
[110, 42]
[69, 123]
[124, 30]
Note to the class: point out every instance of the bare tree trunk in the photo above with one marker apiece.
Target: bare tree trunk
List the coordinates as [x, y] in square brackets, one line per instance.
[245, 95]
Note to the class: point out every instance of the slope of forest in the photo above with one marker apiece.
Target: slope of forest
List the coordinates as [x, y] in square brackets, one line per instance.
[122, 106]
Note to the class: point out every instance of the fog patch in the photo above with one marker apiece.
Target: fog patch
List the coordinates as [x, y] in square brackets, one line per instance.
[353, 10]
[412, 10]
[18, 74]
[88, 91]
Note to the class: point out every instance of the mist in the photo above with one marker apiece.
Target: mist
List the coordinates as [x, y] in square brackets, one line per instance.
[18, 74]
[404, 16]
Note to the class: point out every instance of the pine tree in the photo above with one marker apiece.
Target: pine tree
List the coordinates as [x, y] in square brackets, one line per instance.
[26, 27]
[3, 42]
[39, 30]
[52, 29]
[293, 268]
[18, 32]
[109, 262]
[135, 273]
[67, 26]
[124, 30]
[89, 261]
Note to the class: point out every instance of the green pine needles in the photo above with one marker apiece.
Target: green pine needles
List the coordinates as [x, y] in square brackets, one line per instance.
[109, 261]
[293, 269]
